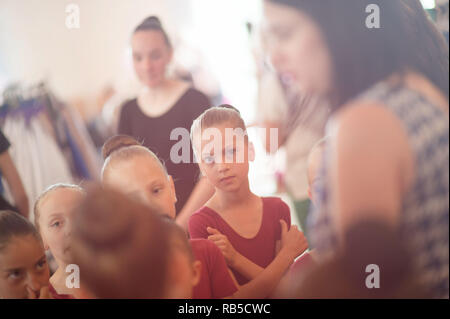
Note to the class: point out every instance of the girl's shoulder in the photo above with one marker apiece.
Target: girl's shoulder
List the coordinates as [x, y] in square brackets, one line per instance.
[275, 207]
[204, 215]
[200, 220]
[274, 201]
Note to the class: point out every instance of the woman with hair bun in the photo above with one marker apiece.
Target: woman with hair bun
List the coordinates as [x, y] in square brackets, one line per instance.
[164, 104]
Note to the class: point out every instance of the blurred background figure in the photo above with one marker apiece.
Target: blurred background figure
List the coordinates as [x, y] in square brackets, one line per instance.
[398, 174]
[163, 105]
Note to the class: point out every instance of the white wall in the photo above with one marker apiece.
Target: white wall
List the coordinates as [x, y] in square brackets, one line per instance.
[35, 43]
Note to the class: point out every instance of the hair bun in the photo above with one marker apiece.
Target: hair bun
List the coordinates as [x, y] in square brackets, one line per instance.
[117, 142]
[152, 21]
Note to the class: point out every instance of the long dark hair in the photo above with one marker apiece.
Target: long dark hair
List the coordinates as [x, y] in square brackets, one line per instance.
[362, 56]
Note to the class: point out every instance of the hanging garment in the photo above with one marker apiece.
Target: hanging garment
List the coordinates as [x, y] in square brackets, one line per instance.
[73, 138]
[86, 158]
[38, 158]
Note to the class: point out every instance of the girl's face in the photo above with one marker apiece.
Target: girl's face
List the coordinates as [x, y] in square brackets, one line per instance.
[225, 160]
[142, 178]
[23, 267]
[55, 221]
[296, 48]
[151, 55]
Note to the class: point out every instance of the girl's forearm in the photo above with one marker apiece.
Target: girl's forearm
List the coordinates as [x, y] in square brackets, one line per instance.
[246, 267]
[267, 280]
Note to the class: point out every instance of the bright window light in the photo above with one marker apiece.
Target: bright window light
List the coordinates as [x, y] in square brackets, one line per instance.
[428, 4]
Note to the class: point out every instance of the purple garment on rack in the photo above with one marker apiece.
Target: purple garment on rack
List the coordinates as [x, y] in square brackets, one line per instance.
[28, 109]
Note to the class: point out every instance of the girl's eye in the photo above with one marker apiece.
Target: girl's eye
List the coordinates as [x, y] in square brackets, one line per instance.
[157, 190]
[40, 265]
[56, 224]
[231, 151]
[229, 154]
[208, 159]
[16, 274]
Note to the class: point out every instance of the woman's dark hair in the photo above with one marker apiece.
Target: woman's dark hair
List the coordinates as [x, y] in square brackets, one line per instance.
[362, 56]
[13, 224]
[153, 23]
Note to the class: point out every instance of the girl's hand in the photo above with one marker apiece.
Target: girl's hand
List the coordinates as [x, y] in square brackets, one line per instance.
[224, 245]
[293, 241]
[44, 293]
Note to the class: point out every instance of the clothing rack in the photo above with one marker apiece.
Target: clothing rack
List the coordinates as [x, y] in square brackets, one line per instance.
[49, 141]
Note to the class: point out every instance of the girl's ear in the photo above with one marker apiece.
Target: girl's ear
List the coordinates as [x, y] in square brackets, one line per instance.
[172, 188]
[197, 270]
[251, 152]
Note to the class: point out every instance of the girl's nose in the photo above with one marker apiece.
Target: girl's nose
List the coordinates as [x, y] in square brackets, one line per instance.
[223, 166]
[33, 283]
[68, 229]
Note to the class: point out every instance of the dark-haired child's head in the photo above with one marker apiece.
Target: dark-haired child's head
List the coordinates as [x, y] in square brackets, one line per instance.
[23, 265]
[137, 172]
[152, 52]
[220, 143]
